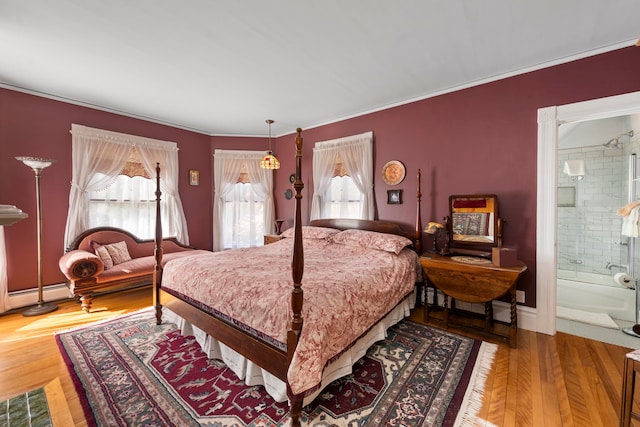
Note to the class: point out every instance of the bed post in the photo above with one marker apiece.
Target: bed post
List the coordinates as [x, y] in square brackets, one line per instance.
[157, 273]
[297, 267]
[418, 238]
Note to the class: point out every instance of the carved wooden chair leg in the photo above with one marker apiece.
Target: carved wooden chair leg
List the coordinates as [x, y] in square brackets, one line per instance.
[86, 300]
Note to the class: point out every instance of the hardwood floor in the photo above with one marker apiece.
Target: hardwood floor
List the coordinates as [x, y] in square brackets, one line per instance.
[547, 381]
[29, 355]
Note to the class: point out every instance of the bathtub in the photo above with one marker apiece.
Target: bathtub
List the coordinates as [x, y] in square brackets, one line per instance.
[596, 293]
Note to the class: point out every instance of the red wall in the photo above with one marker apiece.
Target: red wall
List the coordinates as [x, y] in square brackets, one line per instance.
[478, 140]
[36, 126]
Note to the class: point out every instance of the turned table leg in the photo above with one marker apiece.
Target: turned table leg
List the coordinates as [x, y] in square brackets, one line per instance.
[488, 315]
[513, 329]
[446, 310]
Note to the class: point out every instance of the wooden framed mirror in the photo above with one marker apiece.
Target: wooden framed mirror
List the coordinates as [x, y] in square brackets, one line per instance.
[474, 223]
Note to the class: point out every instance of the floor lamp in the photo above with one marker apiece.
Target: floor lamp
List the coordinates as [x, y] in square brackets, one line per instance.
[38, 164]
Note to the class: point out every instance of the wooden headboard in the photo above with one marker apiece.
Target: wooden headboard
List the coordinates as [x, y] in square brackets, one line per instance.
[364, 224]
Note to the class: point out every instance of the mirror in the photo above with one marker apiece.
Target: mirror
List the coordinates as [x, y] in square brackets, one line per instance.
[474, 221]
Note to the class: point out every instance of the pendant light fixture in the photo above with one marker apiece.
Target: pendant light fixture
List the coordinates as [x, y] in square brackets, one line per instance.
[269, 161]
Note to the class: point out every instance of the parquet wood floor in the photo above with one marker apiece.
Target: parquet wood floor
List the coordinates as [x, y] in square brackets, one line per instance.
[560, 380]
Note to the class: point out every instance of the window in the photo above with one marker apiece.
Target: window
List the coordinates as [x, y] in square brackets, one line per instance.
[343, 178]
[243, 217]
[342, 199]
[128, 203]
[113, 184]
[243, 207]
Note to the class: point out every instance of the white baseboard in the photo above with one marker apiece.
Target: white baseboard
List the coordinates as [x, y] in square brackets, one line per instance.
[29, 297]
[527, 316]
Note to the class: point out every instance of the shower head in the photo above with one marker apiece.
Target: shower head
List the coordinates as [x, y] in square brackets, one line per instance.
[615, 142]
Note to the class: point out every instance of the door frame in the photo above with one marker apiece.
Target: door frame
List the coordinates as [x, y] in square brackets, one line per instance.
[549, 118]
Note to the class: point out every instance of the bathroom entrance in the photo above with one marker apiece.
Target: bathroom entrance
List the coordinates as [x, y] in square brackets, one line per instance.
[550, 120]
[597, 225]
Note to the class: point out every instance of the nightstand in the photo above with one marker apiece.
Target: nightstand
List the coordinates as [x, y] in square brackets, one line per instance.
[270, 238]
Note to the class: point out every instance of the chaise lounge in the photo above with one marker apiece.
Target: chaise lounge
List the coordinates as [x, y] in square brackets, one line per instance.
[109, 258]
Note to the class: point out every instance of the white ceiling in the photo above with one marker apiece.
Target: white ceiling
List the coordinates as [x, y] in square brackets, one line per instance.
[222, 67]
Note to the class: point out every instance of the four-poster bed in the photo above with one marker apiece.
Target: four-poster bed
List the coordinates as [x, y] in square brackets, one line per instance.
[243, 299]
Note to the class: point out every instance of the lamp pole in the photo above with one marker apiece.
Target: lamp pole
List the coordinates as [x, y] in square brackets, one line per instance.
[37, 165]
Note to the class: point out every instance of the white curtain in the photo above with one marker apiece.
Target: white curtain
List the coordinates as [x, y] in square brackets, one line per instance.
[227, 166]
[129, 203]
[167, 156]
[357, 154]
[99, 155]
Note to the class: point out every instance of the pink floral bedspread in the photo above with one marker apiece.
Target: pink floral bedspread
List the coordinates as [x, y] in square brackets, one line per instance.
[347, 289]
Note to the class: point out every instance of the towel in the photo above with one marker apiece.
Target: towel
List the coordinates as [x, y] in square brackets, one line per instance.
[626, 209]
[630, 223]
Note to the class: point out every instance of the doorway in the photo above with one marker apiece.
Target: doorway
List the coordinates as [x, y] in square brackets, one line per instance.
[596, 289]
[549, 121]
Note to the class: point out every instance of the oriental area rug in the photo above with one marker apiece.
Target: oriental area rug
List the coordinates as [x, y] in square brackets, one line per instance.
[129, 371]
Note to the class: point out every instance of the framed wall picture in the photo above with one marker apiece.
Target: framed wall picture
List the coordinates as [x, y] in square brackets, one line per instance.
[194, 177]
[394, 197]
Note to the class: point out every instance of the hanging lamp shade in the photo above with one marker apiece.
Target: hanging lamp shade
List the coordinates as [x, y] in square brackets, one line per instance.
[269, 161]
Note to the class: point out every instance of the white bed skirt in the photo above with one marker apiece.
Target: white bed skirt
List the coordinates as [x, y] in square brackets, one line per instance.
[252, 374]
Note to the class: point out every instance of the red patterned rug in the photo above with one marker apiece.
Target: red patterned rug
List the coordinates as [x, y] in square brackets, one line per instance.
[129, 371]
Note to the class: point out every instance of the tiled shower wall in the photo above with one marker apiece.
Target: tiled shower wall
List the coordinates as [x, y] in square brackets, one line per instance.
[589, 233]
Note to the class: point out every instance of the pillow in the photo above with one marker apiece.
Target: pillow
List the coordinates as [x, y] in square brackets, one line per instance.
[103, 253]
[371, 239]
[311, 232]
[119, 252]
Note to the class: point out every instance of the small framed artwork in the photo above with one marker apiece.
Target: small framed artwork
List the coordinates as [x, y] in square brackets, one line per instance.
[194, 177]
[394, 197]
